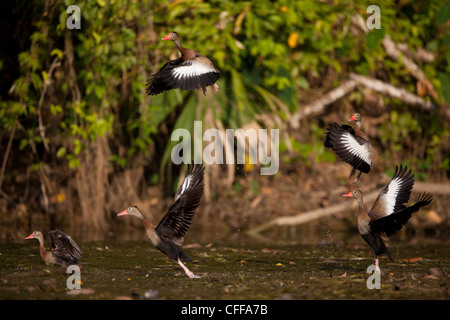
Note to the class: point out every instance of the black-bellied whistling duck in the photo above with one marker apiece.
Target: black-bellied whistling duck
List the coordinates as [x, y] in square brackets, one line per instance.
[64, 250]
[388, 214]
[189, 72]
[168, 235]
[351, 145]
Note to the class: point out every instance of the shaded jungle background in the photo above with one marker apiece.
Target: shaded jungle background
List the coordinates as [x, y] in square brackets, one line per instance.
[80, 140]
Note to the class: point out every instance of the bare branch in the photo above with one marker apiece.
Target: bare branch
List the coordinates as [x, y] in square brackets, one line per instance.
[393, 92]
[318, 106]
[395, 54]
[384, 88]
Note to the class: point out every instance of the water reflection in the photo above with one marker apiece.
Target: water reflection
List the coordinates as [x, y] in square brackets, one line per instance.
[322, 231]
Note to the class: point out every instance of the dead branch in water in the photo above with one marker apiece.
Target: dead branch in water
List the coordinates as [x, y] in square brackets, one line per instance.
[433, 188]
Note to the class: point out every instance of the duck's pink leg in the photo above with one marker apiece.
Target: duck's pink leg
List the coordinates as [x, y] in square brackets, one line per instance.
[204, 91]
[216, 87]
[352, 173]
[377, 266]
[357, 178]
[189, 273]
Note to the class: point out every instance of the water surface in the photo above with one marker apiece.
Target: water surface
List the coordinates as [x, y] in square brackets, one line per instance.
[245, 270]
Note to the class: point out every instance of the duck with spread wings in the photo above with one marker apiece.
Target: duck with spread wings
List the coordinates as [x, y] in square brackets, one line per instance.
[64, 250]
[388, 214]
[168, 235]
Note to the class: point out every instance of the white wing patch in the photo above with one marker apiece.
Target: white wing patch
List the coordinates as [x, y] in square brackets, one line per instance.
[191, 70]
[356, 149]
[390, 197]
[186, 183]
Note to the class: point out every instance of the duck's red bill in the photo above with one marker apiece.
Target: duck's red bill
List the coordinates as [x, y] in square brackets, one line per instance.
[166, 37]
[30, 236]
[347, 194]
[124, 212]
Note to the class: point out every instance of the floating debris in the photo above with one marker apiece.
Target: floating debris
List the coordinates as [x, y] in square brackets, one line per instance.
[413, 260]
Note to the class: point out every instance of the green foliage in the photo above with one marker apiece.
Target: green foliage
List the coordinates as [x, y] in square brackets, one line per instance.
[270, 54]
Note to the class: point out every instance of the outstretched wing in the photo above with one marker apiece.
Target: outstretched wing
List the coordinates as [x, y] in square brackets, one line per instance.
[174, 225]
[351, 148]
[187, 75]
[193, 74]
[394, 222]
[64, 248]
[157, 82]
[392, 198]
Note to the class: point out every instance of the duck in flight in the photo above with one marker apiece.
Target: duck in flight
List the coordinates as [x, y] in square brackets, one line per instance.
[191, 71]
[352, 145]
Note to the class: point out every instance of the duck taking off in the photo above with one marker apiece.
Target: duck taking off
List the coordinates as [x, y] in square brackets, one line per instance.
[168, 235]
[388, 214]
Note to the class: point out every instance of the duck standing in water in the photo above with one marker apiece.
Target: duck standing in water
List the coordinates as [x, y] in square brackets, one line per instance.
[64, 250]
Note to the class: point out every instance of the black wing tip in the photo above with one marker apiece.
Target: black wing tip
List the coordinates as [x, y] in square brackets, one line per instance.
[195, 168]
[153, 89]
[364, 167]
[326, 138]
[197, 172]
[424, 199]
[332, 128]
[334, 131]
[403, 172]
